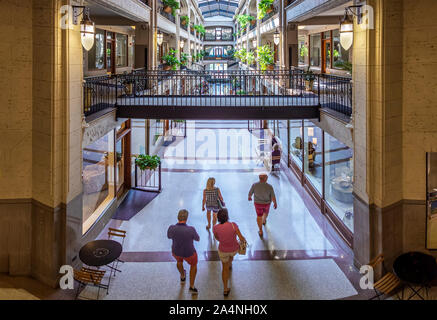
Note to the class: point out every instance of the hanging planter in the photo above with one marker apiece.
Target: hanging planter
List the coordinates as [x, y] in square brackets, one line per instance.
[264, 7]
[170, 6]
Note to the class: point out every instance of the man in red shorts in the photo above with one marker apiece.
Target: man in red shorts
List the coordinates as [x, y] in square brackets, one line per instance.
[183, 247]
[264, 195]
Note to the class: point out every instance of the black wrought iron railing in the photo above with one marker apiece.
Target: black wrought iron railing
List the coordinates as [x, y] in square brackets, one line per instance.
[253, 25]
[336, 93]
[99, 93]
[218, 57]
[232, 88]
[252, 88]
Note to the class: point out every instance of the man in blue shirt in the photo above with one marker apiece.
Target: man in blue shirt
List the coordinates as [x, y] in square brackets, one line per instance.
[183, 247]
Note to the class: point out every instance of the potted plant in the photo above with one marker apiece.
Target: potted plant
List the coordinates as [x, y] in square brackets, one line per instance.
[309, 77]
[184, 60]
[170, 6]
[199, 28]
[241, 54]
[265, 57]
[245, 19]
[264, 7]
[250, 58]
[185, 20]
[171, 62]
[147, 162]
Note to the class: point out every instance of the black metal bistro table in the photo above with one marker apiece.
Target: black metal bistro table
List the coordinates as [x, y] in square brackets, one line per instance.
[99, 253]
[416, 270]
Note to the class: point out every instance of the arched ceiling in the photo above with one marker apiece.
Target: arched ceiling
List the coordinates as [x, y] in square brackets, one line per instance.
[211, 8]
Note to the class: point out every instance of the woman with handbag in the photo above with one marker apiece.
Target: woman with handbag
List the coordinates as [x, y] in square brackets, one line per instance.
[226, 233]
[212, 197]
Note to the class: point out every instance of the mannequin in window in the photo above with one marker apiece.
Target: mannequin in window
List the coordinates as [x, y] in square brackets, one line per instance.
[311, 155]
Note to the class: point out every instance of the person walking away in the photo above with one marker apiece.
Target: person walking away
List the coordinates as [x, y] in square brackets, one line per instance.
[211, 195]
[183, 247]
[264, 195]
[226, 233]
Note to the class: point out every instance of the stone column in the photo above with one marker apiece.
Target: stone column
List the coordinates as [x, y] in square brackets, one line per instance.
[377, 101]
[178, 32]
[258, 34]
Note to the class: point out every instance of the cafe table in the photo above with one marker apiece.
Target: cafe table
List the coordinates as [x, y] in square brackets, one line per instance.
[417, 271]
[100, 253]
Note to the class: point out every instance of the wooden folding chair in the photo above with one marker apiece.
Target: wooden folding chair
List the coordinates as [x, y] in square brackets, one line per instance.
[388, 282]
[117, 233]
[87, 276]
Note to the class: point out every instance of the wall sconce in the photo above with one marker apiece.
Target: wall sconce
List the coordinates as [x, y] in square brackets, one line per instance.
[276, 37]
[87, 30]
[192, 45]
[181, 44]
[310, 131]
[347, 26]
[315, 141]
[254, 42]
[159, 38]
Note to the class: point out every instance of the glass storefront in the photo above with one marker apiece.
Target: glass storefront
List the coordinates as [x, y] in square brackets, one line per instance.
[96, 55]
[324, 161]
[313, 155]
[339, 179]
[98, 178]
[342, 58]
[315, 50]
[296, 142]
[303, 50]
[121, 50]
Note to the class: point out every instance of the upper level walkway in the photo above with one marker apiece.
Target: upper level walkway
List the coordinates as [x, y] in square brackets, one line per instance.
[232, 94]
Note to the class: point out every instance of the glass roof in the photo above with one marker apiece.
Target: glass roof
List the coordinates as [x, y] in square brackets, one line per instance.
[211, 8]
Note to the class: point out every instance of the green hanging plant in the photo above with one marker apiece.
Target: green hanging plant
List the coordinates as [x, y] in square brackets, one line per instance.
[250, 58]
[264, 7]
[173, 4]
[184, 59]
[265, 57]
[171, 60]
[185, 20]
[241, 54]
[199, 28]
[244, 20]
[147, 162]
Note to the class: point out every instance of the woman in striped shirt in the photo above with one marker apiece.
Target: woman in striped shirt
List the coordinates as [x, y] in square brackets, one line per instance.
[210, 198]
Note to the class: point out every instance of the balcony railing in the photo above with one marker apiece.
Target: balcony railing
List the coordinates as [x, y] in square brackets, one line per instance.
[223, 37]
[218, 57]
[336, 93]
[215, 90]
[253, 25]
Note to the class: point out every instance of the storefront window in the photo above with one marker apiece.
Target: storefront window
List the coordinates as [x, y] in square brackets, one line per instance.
[339, 179]
[342, 58]
[156, 134]
[296, 142]
[315, 49]
[303, 50]
[98, 179]
[313, 154]
[121, 50]
[96, 55]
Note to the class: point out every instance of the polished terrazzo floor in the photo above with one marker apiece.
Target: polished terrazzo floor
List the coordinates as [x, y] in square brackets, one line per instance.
[294, 260]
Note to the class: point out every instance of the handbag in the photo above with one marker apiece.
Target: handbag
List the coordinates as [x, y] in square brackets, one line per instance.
[221, 204]
[242, 245]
